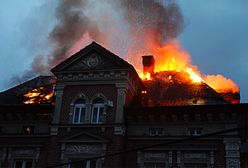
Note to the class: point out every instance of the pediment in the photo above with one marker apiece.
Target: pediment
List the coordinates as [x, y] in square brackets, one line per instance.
[83, 137]
[92, 57]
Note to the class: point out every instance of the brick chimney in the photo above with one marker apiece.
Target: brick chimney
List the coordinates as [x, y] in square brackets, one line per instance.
[148, 64]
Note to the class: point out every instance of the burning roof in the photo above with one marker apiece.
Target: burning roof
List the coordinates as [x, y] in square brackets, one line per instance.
[35, 91]
[171, 86]
[173, 89]
[179, 87]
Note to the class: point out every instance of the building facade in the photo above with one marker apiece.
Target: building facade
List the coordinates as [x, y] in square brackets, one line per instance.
[103, 115]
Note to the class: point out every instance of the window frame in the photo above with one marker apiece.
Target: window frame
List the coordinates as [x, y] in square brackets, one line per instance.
[79, 106]
[156, 131]
[23, 162]
[100, 108]
[197, 131]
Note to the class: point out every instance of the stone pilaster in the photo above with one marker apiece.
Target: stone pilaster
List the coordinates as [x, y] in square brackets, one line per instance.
[57, 110]
[178, 158]
[170, 158]
[121, 96]
[212, 159]
[232, 152]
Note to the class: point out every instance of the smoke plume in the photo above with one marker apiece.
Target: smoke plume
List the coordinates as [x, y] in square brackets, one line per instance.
[79, 22]
[129, 28]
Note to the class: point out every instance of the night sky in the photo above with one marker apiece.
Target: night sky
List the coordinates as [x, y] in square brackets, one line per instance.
[215, 34]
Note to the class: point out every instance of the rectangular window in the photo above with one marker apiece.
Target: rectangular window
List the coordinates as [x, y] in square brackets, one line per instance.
[97, 115]
[79, 115]
[195, 165]
[94, 117]
[195, 131]
[100, 119]
[82, 115]
[154, 165]
[23, 164]
[76, 115]
[155, 131]
[83, 164]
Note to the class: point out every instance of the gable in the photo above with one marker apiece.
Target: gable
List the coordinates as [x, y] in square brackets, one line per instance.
[84, 137]
[92, 57]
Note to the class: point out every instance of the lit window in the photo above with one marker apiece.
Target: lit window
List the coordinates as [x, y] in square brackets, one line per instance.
[97, 111]
[28, 129]
[155, 131]
[79, 112]
[195, 131]
[23, 164]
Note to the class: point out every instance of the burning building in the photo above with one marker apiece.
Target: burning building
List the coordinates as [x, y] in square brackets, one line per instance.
[97, 111]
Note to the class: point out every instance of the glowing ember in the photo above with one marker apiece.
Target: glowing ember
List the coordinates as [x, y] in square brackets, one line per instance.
[144, 92]
[145, 76]
[38, 96]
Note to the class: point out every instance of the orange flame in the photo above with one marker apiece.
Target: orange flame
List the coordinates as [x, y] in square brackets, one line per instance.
[221, 84]
[38, 96]
[171, 57]
[145, 76]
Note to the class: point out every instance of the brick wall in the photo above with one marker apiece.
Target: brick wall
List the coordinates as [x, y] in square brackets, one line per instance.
[71, 92]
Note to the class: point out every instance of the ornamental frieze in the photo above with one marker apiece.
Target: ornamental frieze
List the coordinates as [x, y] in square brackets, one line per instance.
[83, 148]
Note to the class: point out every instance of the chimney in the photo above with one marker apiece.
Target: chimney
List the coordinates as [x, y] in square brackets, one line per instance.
[148, 64]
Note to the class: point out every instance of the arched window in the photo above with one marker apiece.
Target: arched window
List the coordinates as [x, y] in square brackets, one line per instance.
[79, 111]
[97, 111]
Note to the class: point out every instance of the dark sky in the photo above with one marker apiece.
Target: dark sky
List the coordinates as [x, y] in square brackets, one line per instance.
[215, 34]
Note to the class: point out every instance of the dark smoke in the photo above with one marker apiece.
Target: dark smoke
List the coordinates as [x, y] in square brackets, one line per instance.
[146, 19]
[73, 23]
[162, 21]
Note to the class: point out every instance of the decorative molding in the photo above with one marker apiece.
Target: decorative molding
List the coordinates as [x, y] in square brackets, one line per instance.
[119, 130]
[170, 158]
[94, 75]
[83, 149]
[23, 151]
[212, 158]
[178, 158]
[93, 60]
[54, 130]
[232, 152]
[189, 156]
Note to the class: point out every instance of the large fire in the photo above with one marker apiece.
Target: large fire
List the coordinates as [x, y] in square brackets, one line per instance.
[38, 96]
[171, 57]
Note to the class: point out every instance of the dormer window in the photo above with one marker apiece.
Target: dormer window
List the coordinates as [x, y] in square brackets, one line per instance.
[97, 111]
[79, 112]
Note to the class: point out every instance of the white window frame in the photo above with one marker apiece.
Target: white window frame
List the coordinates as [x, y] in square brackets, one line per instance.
[80, 106]
[24, 162]
[98, 106]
